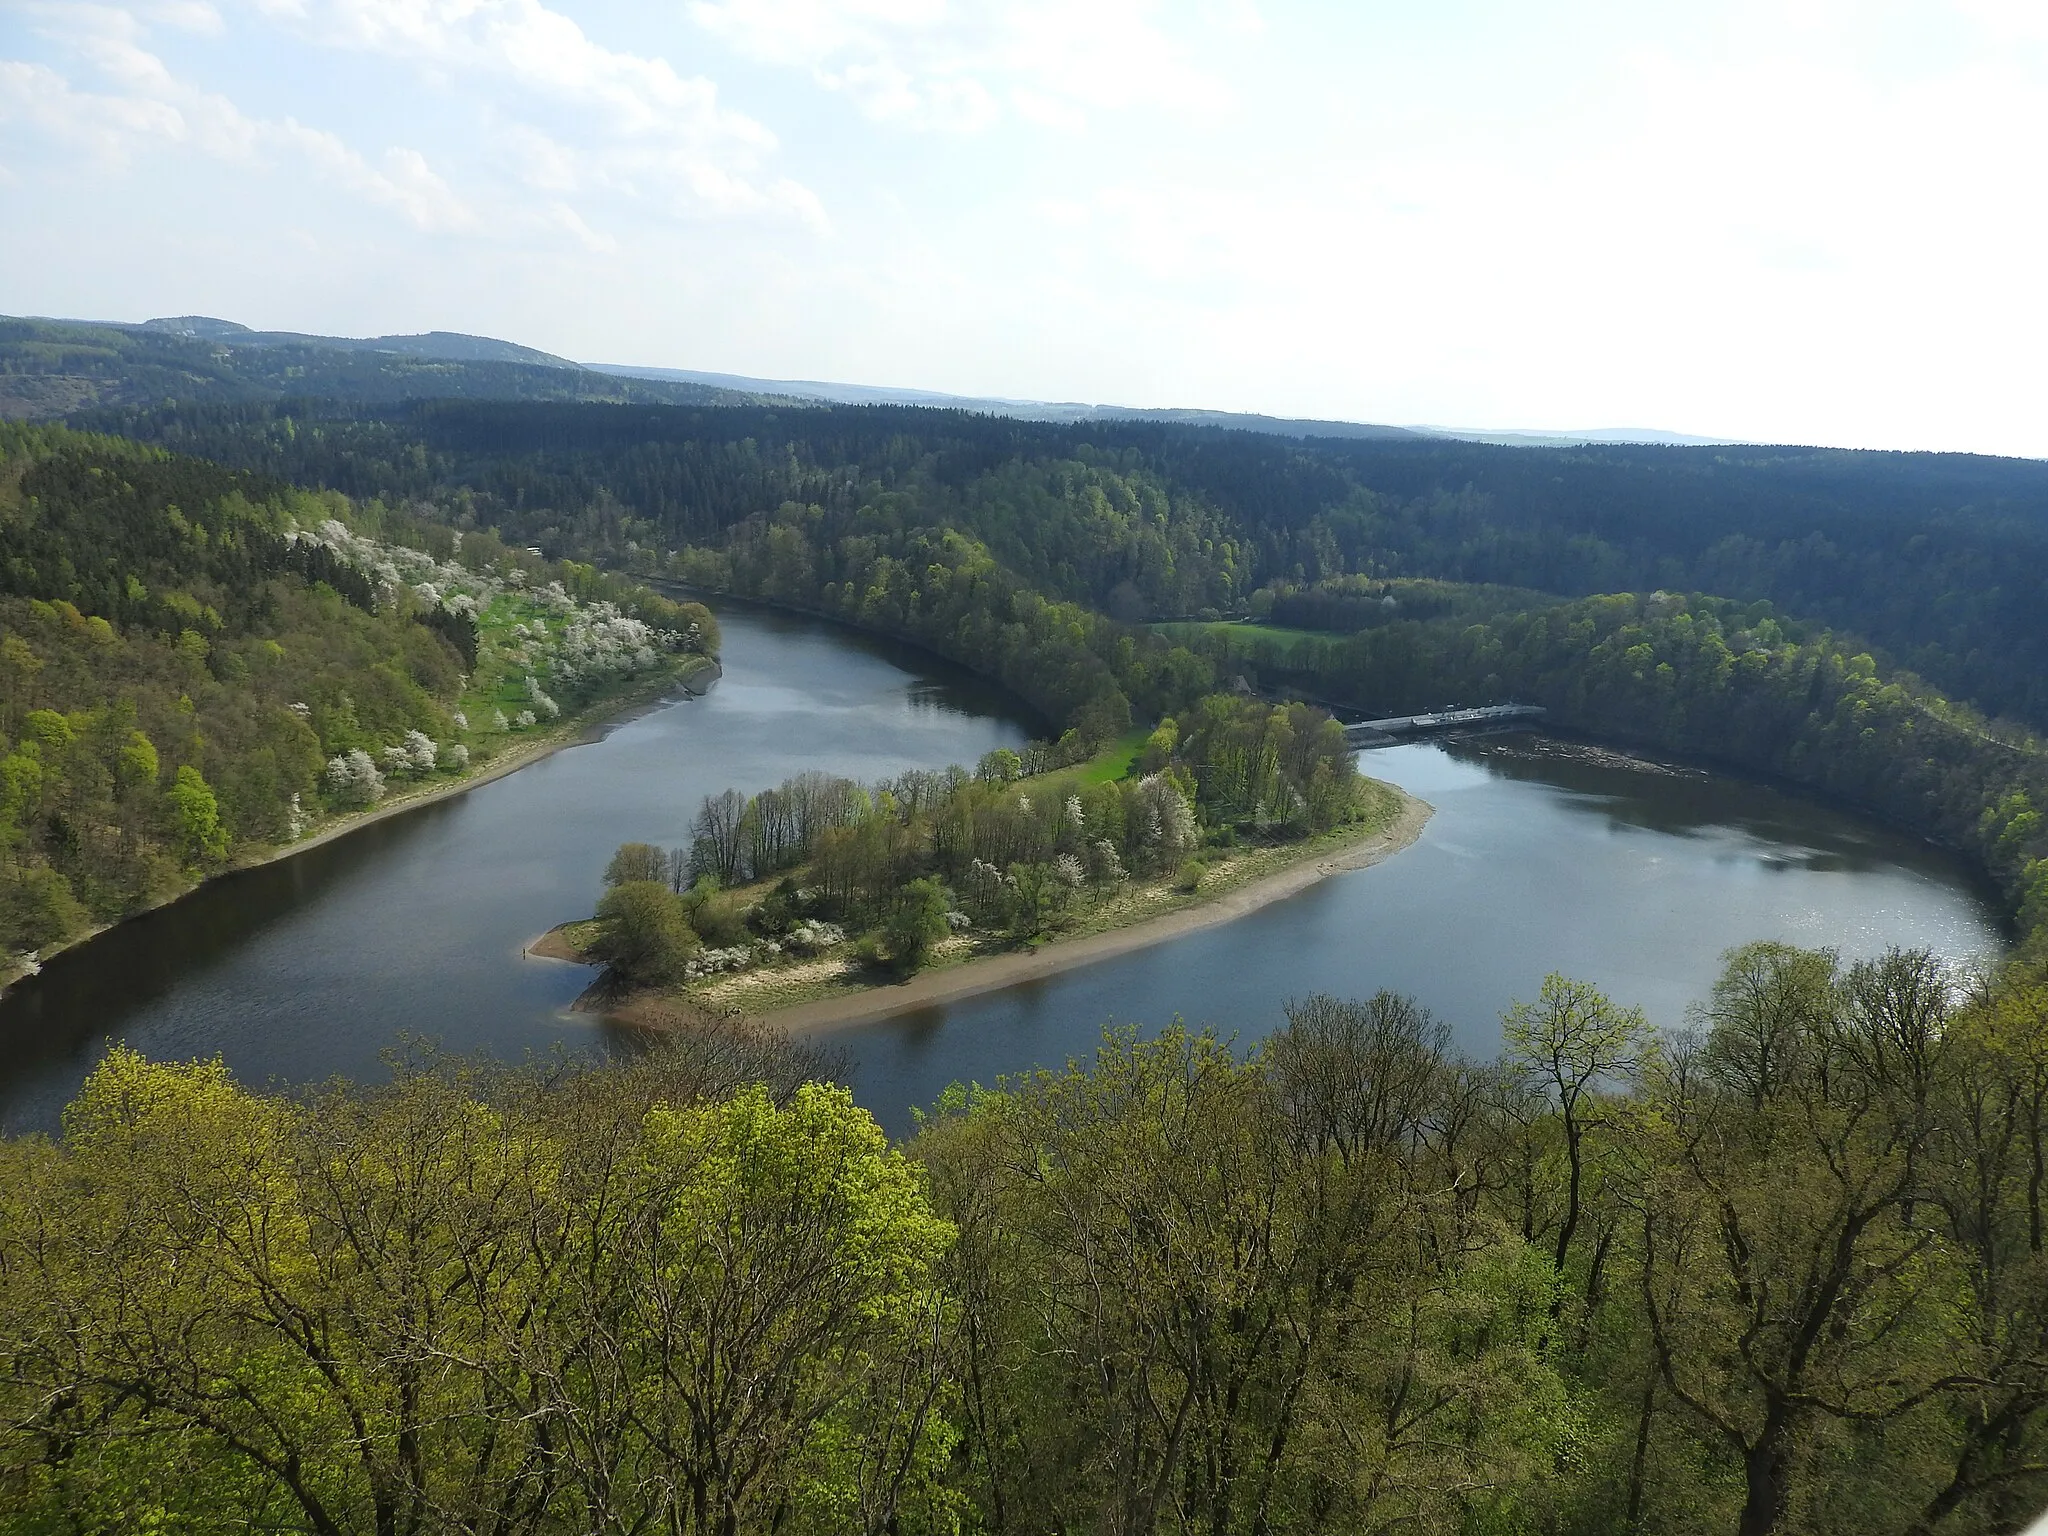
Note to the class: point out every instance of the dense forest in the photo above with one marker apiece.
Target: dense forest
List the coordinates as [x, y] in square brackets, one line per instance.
[1780, 1272]
[196, 664]
[1777, 1267]
[1934, 560]
[1028, 550]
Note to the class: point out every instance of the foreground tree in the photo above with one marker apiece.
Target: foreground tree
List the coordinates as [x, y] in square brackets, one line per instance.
[462, 1305]
[1793, 1278]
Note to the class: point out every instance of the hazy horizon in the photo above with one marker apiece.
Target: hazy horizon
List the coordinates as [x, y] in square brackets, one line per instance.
[1786, 223]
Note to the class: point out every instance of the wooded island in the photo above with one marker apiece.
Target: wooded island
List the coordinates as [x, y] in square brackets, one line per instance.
[822, 886]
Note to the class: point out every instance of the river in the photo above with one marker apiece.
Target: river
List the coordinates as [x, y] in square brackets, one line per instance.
[1539, 857]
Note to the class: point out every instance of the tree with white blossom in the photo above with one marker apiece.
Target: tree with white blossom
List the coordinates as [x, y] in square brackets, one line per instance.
[352, 779]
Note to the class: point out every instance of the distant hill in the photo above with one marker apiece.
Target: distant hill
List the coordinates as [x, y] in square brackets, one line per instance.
[1023, 410]
[53, 368]
[447, 346]
[1599, 435]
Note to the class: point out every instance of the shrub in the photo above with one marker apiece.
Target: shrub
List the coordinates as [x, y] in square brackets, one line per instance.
[643, 935]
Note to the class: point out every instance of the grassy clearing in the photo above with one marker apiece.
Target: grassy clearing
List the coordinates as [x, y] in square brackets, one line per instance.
[1241, 635]
[498, 683]
[1113, 762]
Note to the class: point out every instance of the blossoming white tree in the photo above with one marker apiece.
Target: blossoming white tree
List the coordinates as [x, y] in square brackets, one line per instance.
[352, 778]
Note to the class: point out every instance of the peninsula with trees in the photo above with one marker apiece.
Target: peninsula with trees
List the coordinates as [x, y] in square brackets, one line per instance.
[826, 891]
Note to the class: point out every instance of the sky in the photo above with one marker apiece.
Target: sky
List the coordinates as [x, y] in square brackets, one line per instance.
[1810, 221]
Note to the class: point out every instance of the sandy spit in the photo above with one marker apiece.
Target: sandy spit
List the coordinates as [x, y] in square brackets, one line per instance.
[998, 971]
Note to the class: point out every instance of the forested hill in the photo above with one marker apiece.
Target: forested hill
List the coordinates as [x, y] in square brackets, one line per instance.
[198, 662]
[1936, 560]
[52, 368]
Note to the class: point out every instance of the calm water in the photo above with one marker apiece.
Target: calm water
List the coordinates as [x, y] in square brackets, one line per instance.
[1536, 860]
[1533, 862]
[319, 964]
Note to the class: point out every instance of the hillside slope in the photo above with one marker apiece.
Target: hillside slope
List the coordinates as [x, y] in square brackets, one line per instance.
[1939, 561]
[197, 663]
[55, 368]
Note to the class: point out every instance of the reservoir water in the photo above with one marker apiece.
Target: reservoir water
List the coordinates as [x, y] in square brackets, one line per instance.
[1540, 857]
[412, 927]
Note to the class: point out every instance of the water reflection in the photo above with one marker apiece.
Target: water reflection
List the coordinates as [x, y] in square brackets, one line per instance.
[412, 927]
[1540, 857]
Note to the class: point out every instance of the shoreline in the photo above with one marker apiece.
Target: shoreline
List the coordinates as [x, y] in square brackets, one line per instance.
[506, 763]
[993, 973]
[525, 755]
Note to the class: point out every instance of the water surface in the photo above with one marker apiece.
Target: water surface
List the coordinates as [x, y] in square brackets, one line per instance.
[1541, 857]
[1535, 860]
[319, 964]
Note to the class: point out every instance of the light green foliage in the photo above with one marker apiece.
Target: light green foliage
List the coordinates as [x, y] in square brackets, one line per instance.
[1573, 1044]
[631, 1303]
[180, 659]
[138, 763]
[1002, 766]
[1200, 1299]
[636, 861]
[1019, 853]
[200, 833]
[1311, 1287]
[1267, 767]
[1159, 746]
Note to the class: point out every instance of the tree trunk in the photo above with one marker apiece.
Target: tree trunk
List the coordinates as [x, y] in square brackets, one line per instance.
[1640, 1460]
[1770, 1489]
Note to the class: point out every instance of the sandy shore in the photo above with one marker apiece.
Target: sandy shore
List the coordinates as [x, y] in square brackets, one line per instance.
[994, 972]
[555, 945]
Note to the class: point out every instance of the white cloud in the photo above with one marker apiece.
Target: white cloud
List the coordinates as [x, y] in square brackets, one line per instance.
[569, 219]
[559, 121]
[633, 126]
[149, 107]
[36, 96]
[953, 64]
[2008, 20]
[196, 16]
[524, 42]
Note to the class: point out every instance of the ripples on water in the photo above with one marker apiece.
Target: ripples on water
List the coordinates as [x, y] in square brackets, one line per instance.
[1538, 858]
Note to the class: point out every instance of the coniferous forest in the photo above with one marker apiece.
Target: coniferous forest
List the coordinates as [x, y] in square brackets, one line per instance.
[1774, 1267]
